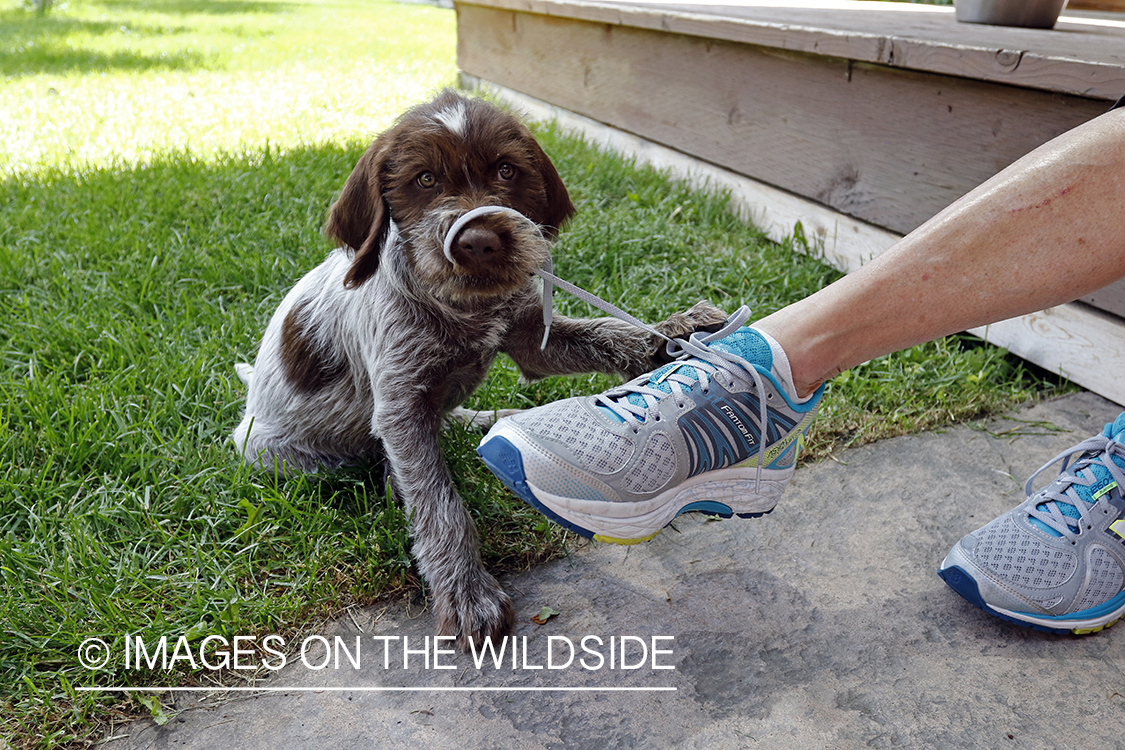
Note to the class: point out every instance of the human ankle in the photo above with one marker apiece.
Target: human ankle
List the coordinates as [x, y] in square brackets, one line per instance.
[782, 368]
[788, 364]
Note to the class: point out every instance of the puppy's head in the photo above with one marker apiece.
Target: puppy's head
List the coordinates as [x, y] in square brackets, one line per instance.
[438, 161]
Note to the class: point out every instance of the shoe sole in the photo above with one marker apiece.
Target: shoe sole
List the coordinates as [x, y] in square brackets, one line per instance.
[1079, 623]
[505, 461]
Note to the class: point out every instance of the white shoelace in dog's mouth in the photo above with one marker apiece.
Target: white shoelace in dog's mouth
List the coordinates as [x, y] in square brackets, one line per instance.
[550, 281]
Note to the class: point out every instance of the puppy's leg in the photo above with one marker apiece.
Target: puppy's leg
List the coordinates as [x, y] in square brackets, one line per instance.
[605, 345]
[467, 600]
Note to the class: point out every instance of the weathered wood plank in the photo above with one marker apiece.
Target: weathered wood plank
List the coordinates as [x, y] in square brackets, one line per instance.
[888, 146]
[843, 241]
[1083, 55]
[1074, 340]
[1111, 299]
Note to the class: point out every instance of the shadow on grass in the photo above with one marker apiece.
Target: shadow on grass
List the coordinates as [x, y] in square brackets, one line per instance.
[31, 43]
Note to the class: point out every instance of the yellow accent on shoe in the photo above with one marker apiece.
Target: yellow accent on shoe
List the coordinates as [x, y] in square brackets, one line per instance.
[800, 447]
[782, 445]
[1102, 491]
[1088, 631]
[1118, 527]
[614, 540]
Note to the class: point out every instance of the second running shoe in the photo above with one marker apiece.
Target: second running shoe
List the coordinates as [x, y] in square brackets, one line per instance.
[717, 431]
[1056, 562]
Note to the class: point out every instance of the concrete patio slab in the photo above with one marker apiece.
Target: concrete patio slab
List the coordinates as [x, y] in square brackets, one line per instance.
[822, 625]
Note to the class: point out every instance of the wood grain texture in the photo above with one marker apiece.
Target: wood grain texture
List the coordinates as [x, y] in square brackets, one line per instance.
[888, 146]
[1083, 55]
[840, 240]
[1073, 340]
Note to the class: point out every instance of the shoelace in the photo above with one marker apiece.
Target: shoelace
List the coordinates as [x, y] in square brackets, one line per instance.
[550, 281]
[700, 361]
[1097, 450]
[693, 356]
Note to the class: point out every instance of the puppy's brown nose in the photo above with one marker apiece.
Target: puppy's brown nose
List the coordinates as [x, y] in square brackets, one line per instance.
[477, 242]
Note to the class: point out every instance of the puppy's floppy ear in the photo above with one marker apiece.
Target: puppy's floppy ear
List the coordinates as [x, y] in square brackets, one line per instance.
[558, 208]
[359, 218]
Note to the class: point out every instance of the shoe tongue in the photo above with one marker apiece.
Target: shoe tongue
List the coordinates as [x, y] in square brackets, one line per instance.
[1115, 428]
[1103, 480]
[745, 343]
[748, 344]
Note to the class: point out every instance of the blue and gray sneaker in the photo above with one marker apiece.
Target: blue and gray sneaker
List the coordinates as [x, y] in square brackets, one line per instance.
[1057, 561]
[716, 431]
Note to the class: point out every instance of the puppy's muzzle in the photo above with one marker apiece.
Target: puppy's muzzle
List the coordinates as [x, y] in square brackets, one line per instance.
[477, 243]
[466, 246]
[476, 248]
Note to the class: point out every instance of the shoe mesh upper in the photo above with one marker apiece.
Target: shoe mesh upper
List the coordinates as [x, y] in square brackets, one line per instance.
[1105, 579]
[656, 467]
[1015, 556]
[1054, 562]
[566, 422]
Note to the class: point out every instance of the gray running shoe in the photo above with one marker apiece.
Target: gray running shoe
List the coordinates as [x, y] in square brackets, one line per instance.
[1056, 562]
[716, 431]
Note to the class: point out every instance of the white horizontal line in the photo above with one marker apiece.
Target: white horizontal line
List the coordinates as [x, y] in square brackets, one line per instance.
[243, 689]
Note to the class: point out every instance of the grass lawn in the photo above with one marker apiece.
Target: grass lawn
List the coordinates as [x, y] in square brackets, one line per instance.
[164, 171]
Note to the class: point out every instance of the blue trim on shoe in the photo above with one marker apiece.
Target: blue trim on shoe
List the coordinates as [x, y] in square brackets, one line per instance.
[504, 460]
[965, 585]
[710, 507]
[1099, 611]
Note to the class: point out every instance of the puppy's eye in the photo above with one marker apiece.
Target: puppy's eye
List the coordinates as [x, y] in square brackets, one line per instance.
[506, 171]
[427, 180]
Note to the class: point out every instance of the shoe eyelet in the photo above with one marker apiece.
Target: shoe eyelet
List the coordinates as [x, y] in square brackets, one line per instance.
[769, 397]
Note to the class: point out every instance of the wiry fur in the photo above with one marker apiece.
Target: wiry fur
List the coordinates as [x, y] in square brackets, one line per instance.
[373, 348]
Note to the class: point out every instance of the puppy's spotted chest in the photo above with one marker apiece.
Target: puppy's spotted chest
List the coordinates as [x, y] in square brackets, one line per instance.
[372, 349]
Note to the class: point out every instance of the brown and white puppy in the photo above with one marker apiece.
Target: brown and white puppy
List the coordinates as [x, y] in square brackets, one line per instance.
[373, 348]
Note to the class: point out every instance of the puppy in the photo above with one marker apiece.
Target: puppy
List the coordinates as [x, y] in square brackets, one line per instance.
[372, 349]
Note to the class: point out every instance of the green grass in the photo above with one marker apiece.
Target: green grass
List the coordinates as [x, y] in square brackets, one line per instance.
[164, 172]
[118, 81]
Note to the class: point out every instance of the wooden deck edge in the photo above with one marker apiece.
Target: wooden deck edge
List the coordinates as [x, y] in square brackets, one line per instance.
[1064, 75]
[1073, 340]
[843, 241]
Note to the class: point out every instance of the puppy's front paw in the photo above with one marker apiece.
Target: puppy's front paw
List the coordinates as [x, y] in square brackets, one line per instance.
[474, 607]
[703, 316]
